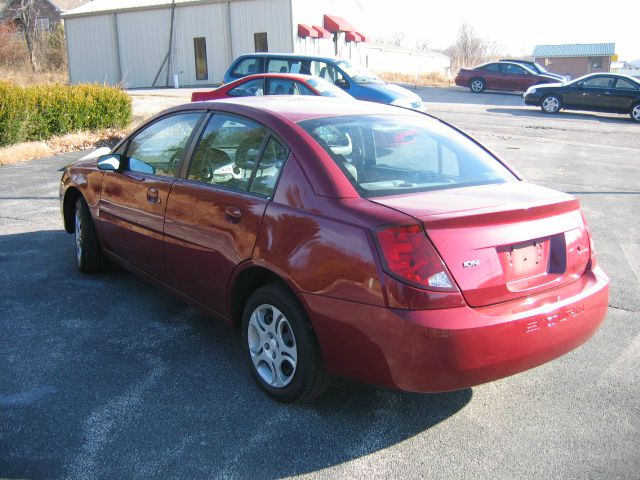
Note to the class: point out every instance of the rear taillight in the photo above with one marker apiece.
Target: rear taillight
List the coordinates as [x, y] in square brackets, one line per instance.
[592, 251]
[408, 255]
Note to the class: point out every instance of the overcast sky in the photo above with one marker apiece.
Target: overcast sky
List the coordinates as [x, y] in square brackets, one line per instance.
[515, 25]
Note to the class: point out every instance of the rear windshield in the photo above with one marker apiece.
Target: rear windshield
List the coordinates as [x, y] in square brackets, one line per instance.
[388, 155]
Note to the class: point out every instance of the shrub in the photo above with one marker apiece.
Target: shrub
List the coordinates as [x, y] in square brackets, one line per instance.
[42, 111]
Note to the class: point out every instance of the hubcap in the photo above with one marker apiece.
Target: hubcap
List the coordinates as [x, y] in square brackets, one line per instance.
[636, 113]
[78, 236]
[272, 346]
[476, 85]
[550, 104]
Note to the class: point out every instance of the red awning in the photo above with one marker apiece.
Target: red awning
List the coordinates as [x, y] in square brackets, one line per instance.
[363, 37]
[322, 33]
[306, 31]
[333, 23]
[352, 37]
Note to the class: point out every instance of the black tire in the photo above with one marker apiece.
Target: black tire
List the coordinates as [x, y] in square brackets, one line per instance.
[477, 85]
[89, 256]
[551, 104]
[634, 112]
[299, 380]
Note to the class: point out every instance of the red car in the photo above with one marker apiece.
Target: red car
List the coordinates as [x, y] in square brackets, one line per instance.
[273, 84]
[501, 76]
[423, 263]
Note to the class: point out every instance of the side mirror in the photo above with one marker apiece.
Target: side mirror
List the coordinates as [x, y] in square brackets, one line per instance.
[342, 83]
[110, 161]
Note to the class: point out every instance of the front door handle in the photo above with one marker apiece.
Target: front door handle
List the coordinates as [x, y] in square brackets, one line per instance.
[233, 213]
[153, 196]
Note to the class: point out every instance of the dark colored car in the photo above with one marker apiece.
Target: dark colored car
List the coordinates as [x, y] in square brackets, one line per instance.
[354, 79]
[343, 238]
[597, 92]
[500, 76]
[273, 84]
[537, 68]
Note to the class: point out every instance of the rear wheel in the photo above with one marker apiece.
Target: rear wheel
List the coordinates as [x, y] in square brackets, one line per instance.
[550, 104]
[634, 113]
[280, 345]
[477, 85]
[89, 256]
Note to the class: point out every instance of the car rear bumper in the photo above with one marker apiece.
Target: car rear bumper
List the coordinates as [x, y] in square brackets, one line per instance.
[441, 350]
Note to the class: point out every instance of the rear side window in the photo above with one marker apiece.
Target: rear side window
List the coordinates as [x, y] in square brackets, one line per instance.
[249, 89]
[247, 66]
[625, 84]
[393, 155]
[492, 67]
[237, 154]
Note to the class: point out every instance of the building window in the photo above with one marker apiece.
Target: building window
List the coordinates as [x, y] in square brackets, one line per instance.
[260, 42]
[595, 62]
[42, 25]
[547, 62]
[200, 49]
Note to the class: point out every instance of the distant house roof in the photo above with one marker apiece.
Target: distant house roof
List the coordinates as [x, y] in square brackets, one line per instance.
[575, 50]
[64, 5]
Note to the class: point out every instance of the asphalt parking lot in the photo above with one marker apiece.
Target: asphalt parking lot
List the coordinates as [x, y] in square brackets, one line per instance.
[104, 376]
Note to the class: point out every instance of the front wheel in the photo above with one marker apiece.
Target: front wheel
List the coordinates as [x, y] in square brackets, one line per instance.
[89, 256]
[634, 113]
[477, 85]
[280, 345]
[550, 104]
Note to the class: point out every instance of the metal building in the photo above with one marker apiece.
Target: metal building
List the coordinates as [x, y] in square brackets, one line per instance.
[144, 43]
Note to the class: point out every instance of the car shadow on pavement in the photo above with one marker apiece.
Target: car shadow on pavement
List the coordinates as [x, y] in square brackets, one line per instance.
[106, 376]
[532, 112]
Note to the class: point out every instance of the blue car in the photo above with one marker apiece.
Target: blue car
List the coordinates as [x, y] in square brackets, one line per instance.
[354, 79]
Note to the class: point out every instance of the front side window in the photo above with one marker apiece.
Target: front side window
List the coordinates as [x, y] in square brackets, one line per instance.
[248, 89]
[238, 154]
[357, 73]
[598, 82]
[510, 69]
[400, 154]
[159, 148]
[492, 67]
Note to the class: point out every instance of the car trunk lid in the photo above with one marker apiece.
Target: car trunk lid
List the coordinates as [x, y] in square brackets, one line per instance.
[504, 241]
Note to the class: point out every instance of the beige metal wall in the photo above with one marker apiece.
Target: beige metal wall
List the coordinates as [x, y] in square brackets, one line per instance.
[254, 16]
[144, 42]
[134, 55]
[210, 22]
[96, 64]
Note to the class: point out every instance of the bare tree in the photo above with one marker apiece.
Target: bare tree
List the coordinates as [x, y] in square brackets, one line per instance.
[25, 12]
[470, 49]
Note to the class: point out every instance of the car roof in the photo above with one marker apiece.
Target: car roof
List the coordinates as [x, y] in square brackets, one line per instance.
[292, 76]
[288, 55]
[608, 74]
[296, 108]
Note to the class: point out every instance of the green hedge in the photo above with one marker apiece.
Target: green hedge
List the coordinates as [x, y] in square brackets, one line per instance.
[43, 111]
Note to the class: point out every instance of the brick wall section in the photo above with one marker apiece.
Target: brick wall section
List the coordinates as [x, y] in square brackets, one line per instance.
[574, 66]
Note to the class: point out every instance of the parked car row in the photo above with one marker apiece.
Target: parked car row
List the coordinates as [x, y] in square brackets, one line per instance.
[598, 92]
[291, 74]
[342, 238]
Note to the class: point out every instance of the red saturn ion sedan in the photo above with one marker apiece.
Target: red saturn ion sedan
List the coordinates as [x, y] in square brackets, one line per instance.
[343, 238]
[273, 84]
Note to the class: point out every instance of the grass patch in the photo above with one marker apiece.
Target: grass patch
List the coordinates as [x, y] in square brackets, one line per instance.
[433, 79]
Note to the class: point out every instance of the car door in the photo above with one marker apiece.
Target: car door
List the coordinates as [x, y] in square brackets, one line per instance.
[214, 213]
[133, 200]
[514, 77]
[591, 93]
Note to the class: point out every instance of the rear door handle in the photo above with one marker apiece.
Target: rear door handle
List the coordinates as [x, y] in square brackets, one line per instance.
[234, 213]
[153, 196]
